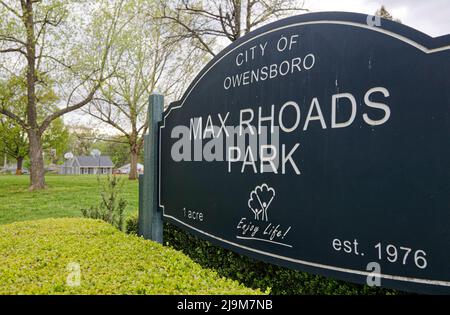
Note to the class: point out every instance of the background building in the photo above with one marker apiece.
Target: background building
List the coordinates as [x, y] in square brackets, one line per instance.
[125, 169]
[79, 165]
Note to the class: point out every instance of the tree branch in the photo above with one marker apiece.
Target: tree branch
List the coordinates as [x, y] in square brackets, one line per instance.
[9, 50]
[191, 31]
[103, 139]
[7, 38]
[107, 119]
[10, 9]
[47, 121]
[13, 116]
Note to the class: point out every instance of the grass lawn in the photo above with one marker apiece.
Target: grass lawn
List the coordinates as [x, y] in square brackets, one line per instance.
[64, 197]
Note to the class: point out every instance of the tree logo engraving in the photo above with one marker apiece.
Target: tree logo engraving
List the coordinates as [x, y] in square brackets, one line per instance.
[260, 199]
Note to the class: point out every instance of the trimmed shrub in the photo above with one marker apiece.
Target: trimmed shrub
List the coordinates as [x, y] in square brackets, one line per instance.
[44, 256]
[256, 274]
[131, 224]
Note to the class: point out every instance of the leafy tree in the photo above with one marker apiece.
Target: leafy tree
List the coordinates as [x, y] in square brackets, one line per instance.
[13, 137]
[13, 142]
[51, 43]
[56, 138]
[117, 148]
[81, 140]
[145, 61]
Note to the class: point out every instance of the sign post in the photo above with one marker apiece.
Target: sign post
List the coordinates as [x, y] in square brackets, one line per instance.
[150, 224]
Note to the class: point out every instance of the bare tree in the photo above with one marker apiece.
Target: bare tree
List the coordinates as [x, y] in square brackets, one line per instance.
[205, 21]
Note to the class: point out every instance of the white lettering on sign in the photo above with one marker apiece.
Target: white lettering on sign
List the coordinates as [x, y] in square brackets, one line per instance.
[244, 143]
[272, 71]
[246, 147]
[391, 253]
[255, 55]
[250, 54]
[383, 107]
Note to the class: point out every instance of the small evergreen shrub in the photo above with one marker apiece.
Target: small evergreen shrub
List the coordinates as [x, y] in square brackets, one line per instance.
[112, 206]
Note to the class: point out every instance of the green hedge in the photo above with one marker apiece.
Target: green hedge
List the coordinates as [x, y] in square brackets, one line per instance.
[35, 256]
[253, 273]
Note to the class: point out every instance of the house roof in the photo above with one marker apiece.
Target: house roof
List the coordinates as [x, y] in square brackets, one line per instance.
[90, 161]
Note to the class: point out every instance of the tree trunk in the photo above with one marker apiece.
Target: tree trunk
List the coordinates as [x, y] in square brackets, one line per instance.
[237, 19]
[19, 165]
[133, 164]
[248, 15]
[37, 180]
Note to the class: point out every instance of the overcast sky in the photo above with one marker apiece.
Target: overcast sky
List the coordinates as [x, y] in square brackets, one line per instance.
[429, 16]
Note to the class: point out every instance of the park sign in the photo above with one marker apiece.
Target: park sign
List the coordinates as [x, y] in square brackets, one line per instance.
[321, 143]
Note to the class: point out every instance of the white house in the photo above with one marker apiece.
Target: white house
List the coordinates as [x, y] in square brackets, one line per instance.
[126, 169]
[87, 165]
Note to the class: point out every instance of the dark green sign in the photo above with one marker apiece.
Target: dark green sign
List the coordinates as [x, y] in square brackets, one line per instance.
[322, 143]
